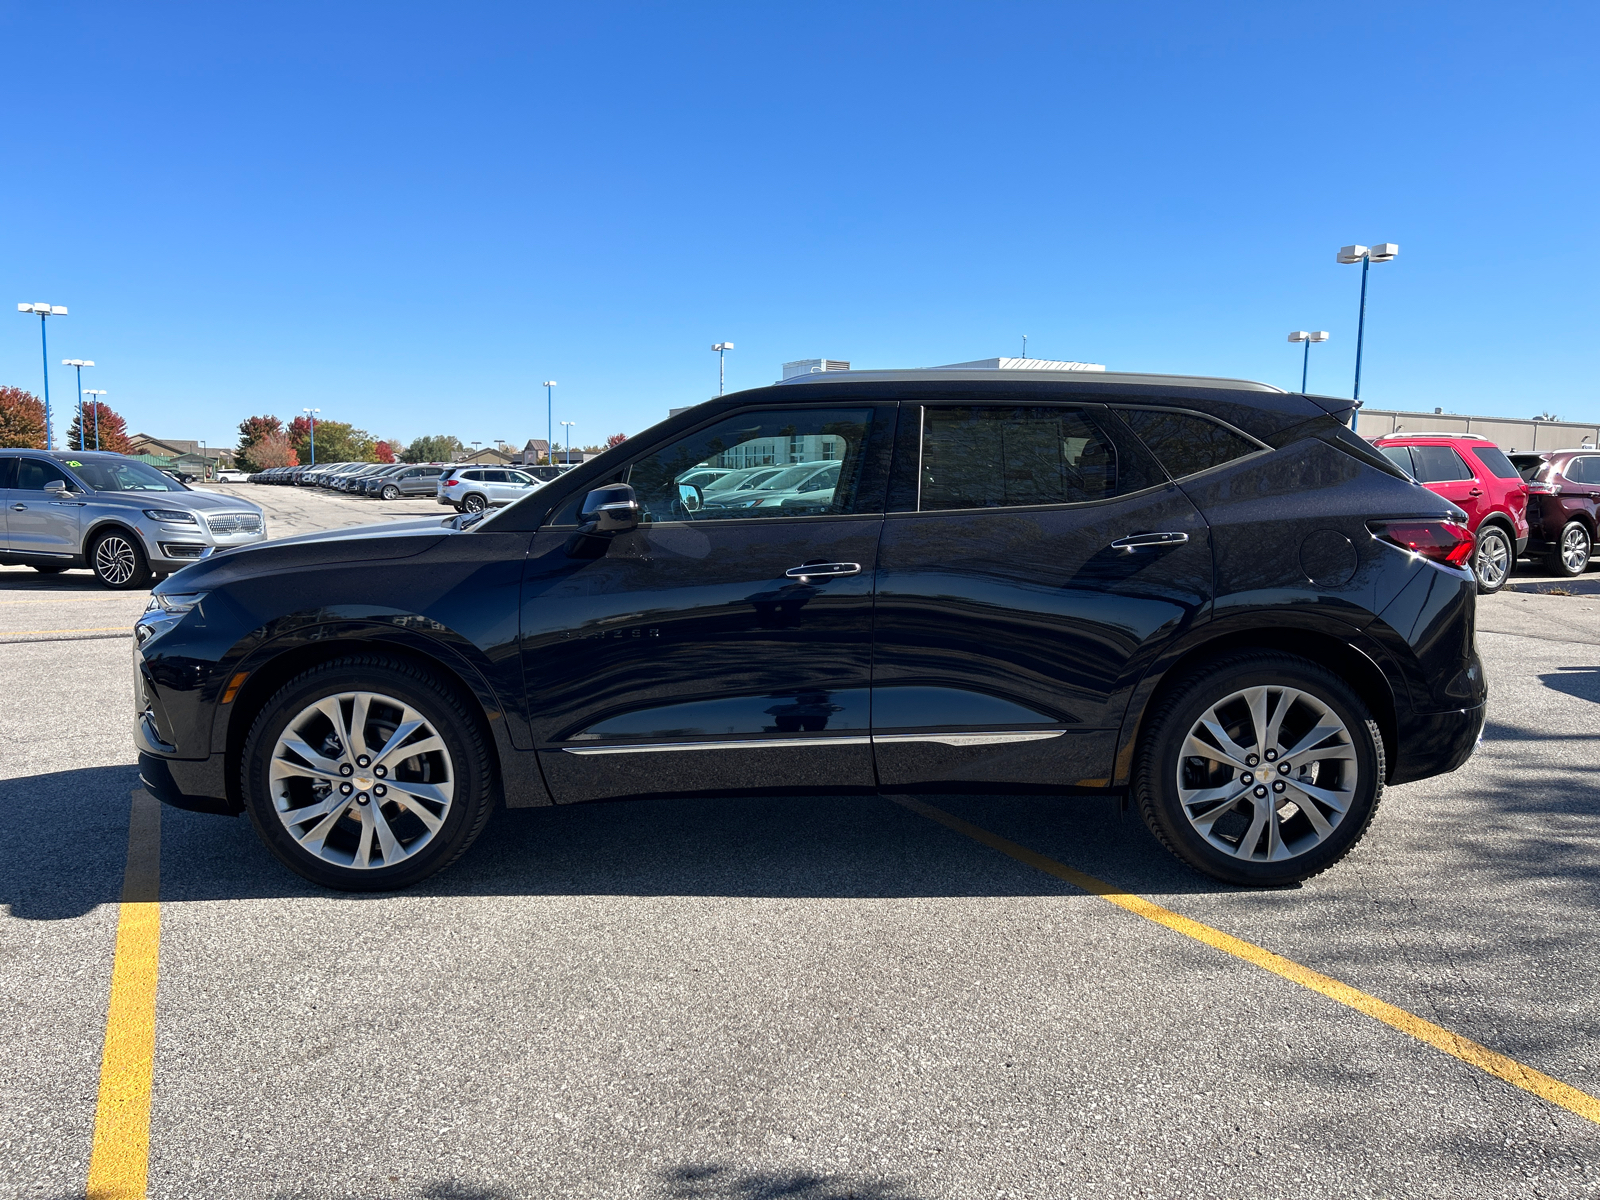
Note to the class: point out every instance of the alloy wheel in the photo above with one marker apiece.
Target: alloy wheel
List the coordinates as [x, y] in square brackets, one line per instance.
[1575, 548]
[473, 504]
[1493, 558]
[391, 493]
[115, 560]
[361, 780]
[1267, 773]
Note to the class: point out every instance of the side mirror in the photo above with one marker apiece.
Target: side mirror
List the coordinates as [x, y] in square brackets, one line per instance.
[690, 497]
[57, 485]
[610, 509]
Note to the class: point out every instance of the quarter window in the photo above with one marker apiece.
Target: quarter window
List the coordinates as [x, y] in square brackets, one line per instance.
[1400, 456]
[1004, 457]
[1583, 470]
[1186, 443]
[1494, 458]
[774, 464]
[1439, 464]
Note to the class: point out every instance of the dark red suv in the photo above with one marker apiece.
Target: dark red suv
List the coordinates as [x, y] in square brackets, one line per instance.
[1474, 474]
[1564, 496]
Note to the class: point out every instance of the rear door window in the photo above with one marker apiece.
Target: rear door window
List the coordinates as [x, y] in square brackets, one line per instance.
[1186, 443]
[1494, 458]
[1584, 470]
[1439, 464]
[983, 456]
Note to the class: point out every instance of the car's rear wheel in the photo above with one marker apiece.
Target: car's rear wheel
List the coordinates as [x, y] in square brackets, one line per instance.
[391, 492]
[1260, 769]
[119, 562]
[1571, 556]
[474, 504]
[367, 774]
[1492, 559]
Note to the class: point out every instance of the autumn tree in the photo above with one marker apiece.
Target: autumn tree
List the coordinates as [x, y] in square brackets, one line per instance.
[383, 451]
[252, 431]
[112, 430]
[273, 450]
[616, 439]
[21, 419]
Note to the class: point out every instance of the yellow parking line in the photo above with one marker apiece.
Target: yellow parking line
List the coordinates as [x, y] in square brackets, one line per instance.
[121, 1154]
[1468, 1051]
[5, 633]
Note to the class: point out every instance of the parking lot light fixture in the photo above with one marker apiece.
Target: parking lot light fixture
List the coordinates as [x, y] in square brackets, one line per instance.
[1301, 335]
[80, 364]
[722, 349]
[97, 393]
[569, 425]
[1366, 256]
[42, 310]
[312, 413]
[550, 423]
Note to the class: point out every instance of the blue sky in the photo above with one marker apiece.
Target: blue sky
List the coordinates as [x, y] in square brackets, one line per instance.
[409, 215]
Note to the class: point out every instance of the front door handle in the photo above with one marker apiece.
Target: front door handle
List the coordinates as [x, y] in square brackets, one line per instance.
[822, 570]
[19, 508]
[1475, 492]
[1143, 541]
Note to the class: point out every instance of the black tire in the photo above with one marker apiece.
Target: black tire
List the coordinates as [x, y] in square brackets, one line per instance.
[44, 570]
[1493, 558]
[448, 715]
[118, 561]
[1573, 548]
[474, 504]
[1157, 765]
[390, 492]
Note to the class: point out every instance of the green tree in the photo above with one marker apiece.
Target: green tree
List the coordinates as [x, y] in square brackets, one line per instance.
[21, 419]
[337, 441]
[252, 432]
[441, 448]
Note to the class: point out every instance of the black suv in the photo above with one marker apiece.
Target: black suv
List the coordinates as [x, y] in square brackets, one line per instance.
[1207, 595]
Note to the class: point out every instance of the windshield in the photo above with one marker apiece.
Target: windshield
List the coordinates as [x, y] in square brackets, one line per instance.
[128, 476]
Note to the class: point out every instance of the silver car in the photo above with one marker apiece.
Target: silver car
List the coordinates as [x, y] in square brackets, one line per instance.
[120, 517]
[473, 489]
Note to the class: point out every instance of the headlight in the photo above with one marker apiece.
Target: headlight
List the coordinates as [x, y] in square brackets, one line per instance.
[169, 514]
[174, 602]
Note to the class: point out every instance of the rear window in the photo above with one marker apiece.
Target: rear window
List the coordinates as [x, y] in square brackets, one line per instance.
[1439, 464]
[1186, 443]
[1528, 465]
[1494, 458]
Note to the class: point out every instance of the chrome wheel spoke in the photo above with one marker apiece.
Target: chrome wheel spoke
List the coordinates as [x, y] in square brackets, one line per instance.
[1313, 814]
[422, 791]
[409, 724]
[421, 811]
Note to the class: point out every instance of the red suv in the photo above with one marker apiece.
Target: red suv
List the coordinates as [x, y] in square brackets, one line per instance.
[1474, 474]
[1563, 507]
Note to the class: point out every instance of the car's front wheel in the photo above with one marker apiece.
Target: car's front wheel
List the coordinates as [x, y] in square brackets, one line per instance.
[391, 492]
[474, 504]
[367, 774]
[1492, 559]
[119, 562]
[1260, 769]
[1572, 551]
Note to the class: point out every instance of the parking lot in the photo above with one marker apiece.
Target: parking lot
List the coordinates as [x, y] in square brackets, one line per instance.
[811, 999]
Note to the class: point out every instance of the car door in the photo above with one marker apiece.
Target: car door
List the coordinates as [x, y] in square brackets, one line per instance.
[713, 650]
[8, 479]
[1442, 471]
[40, 521]
[1041, 560]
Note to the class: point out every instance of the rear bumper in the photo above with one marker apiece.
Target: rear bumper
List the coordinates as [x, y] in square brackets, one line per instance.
[1430, 744]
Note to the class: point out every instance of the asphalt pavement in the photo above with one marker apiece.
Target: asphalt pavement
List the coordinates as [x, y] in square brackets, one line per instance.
[812, 999]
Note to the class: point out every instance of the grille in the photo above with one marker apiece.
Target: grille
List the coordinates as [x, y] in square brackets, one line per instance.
[235, 523]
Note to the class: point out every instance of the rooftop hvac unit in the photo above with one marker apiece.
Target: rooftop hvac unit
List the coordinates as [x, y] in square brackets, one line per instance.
[813, 366]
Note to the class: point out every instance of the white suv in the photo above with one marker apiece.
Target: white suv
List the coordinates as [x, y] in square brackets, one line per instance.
[473, 489]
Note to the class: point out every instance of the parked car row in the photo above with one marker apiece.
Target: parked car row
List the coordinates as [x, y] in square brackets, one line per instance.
[470, 487]
[1543, 504]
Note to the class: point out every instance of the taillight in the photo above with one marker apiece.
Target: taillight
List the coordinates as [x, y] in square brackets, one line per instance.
[1442, 541]
[451, 482]
[1544, 489]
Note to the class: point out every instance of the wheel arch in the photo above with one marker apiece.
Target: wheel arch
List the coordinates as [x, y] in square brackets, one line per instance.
[1321, 646]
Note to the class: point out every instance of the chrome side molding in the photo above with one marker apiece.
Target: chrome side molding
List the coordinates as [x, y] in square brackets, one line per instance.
[996, 738]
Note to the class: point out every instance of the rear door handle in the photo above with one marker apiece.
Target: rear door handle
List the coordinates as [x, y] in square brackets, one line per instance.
[826, 570]
[1475, 492]
[19, 508]
[1142, 541]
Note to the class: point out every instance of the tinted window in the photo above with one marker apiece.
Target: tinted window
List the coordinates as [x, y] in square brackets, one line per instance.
[1184, 443]
[34, 473]
[1528, 465]
[1583, 470]
[1001, 457]
[128, 475]
[775, 444]
[1438, 464]
[476, 476]
[8, 472]
[1400, 456]
[1494, 458]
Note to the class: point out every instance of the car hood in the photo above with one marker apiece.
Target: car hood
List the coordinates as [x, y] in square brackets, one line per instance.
[366, 543]
[193, 501]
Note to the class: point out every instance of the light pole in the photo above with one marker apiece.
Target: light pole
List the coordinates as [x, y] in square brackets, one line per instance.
[1366, 256]
[722, 349]
[45, 310]
[312, 413]
[569, 425]
[96, 402]
[1300, 335]
[550, 424]
[80, 364]
[1024, 346]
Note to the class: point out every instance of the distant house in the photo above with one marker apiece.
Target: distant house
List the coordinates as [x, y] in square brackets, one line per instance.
[489, 454]
[173, 452]
[534, 452]
[143, 443]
